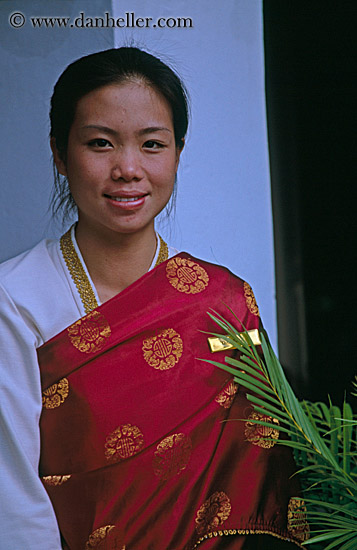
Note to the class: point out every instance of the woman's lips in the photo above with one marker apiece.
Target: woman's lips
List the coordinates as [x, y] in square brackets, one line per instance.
[125, 202]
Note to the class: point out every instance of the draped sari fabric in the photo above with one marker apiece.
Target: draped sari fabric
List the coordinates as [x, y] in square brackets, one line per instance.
[138, 450]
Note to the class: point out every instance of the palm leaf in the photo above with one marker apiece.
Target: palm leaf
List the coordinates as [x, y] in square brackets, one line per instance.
[323, 437]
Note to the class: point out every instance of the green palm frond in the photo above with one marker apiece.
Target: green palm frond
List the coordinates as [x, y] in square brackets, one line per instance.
[323, 438]
[355, 386]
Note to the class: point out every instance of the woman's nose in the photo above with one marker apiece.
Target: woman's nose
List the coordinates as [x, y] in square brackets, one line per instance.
[126, 166]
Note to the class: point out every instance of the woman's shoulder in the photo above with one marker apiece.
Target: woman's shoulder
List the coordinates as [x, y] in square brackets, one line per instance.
[35, 285]
[33, 254]
[215, 283]
[30, 266]
[219, 273]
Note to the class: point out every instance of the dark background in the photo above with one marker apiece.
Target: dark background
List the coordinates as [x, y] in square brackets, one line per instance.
[311, 90]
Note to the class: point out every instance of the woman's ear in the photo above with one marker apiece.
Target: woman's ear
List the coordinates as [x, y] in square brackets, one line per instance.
[59, 162]
[178, 152]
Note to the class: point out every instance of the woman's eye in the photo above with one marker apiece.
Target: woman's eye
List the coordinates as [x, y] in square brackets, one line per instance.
[151, 144]
[100, 142]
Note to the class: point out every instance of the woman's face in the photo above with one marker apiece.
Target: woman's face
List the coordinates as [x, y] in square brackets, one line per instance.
[121, 158]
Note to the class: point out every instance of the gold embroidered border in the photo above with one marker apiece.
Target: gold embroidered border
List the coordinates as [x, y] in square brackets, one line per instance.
[79, 276]
[77, 273]
[227, 532]
[163, 252]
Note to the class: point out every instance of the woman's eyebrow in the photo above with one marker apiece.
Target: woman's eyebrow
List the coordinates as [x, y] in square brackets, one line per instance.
[113, 132]
[151, 129]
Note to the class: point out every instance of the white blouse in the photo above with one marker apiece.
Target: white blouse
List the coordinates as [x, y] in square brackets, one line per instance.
[38, 299]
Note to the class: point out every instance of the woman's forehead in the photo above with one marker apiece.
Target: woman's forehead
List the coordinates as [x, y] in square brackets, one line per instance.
[129, 100]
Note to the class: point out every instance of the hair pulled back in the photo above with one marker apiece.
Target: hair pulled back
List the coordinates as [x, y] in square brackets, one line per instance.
[100, 69]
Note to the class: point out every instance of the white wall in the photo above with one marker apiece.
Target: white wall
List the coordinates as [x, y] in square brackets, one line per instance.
[224, 206]
[31, 60]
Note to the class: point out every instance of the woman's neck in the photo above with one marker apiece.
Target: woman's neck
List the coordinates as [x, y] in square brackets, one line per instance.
[115, 261]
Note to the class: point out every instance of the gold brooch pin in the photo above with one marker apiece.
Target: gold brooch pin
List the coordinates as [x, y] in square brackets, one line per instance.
[220, 344]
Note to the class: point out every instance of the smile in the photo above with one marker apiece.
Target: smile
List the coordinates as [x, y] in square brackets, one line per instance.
[125, 199]
[127, 203]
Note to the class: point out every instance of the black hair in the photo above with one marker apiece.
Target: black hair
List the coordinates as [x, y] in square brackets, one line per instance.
[100, 69]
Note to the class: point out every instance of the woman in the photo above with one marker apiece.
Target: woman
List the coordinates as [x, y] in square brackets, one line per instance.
[106, 323]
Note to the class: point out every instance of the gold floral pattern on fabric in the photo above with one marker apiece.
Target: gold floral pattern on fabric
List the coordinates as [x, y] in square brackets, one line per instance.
[99, 539]
[226, 397]
[164, 350]
[250, 299]
[89, 334]
[124, 442]
[186, 276]
[56, 394]
[213, 513]
[257, 434]
[172, 455]
[55, 480]
[298, 526]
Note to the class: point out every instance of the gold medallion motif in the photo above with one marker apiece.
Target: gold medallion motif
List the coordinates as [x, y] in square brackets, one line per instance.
[186, 276]
[55, 480]
[89, 334]
[257, 434]
[124, 442]
[55, 395]
[250, 299]
[172, 455]
[213, 513]
[226, 397]
[164, 350]
[298, 526]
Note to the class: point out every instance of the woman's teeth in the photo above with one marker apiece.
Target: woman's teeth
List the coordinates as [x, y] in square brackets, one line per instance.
[125, 199]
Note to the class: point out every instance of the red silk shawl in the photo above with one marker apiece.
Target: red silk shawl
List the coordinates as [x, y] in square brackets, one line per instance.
[136, 451]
